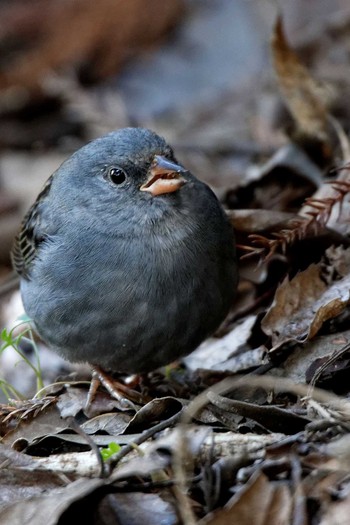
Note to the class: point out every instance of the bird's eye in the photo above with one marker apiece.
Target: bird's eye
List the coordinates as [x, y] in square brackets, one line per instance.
[116, 175]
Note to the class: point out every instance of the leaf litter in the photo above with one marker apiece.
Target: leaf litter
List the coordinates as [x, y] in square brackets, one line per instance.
[220, 441]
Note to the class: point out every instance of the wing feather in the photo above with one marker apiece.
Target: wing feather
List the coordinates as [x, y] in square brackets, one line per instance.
[30, 235]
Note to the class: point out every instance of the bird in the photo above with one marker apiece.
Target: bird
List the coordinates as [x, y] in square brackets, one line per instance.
[126, 260]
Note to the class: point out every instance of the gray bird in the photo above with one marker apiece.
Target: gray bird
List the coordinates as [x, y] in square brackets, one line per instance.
[126, 260]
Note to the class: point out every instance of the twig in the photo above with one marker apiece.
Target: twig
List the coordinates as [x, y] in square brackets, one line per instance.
[146, 434]
[299, 227]
[74, 425]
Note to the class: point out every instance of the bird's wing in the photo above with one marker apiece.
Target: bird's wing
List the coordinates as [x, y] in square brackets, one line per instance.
[30, 235]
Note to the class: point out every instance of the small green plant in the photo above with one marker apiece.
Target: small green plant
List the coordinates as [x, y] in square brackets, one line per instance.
[109, 451]
[9, 391]
[9, 339]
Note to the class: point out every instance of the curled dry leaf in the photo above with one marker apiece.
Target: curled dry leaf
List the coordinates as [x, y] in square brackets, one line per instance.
[302, 305]
[303, 95]
[273, 418]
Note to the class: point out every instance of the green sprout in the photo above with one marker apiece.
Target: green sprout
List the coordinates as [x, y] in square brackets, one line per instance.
[9, 391]
[109, 451]
[13, 341]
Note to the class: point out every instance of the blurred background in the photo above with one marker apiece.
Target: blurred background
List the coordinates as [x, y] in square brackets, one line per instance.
[197, 71]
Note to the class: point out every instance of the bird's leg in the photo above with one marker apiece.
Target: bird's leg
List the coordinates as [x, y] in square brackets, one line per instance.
[95, 383]
[122, 393]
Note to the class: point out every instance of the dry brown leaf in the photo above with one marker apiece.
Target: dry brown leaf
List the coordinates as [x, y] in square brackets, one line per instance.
[302, 305]
[338, 513]
[36, 426]
[259, 502]
[302, 94]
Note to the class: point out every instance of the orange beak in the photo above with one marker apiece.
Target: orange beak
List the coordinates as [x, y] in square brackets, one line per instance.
[164, 177]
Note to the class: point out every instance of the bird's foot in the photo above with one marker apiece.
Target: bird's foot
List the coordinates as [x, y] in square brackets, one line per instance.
[125, 395]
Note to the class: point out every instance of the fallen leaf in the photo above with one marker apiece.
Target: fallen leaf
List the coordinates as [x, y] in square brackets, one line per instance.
[303, 95]
[259, 502]
[32, 428]
[136, 508]
[213, 353]
[111, 423]
[46, 509]
[271, 417]
[301, 365]
[155, 410]
[302, 305]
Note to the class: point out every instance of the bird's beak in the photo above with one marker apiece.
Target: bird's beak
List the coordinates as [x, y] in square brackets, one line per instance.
[164, 177]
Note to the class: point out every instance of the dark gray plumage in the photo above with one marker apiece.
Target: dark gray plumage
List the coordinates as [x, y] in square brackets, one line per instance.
[116, 275]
